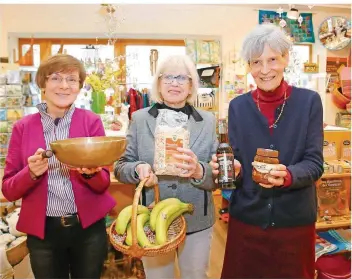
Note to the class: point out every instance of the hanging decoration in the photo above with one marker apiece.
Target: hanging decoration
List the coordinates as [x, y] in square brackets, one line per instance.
[153, 60]
[105, 76]
[112, 16]
[280, 11]
[300, 20]
[282, 23]
[298, 32]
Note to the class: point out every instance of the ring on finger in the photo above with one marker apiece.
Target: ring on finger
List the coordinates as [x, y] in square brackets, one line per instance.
[270, 171]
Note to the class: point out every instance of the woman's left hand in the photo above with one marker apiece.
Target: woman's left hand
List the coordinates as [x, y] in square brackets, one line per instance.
[276, 176]
[89, 171]
[191, 168]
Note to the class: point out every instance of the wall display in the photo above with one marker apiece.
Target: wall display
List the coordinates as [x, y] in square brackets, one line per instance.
[236, 88]
[209, 77]
[335, 32]
[311, 67]
[240, 84]
[11, 110]
[206, 98]
[298, 32]
[333, 64]
[203, 51]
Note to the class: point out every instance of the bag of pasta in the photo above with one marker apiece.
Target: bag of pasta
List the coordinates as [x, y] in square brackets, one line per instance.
[170, 133]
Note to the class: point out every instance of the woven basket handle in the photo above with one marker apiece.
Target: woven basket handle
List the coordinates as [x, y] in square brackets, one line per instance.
[135, 248]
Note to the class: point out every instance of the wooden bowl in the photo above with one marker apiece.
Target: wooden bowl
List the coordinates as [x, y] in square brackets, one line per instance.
[339, 99]
[89, 152]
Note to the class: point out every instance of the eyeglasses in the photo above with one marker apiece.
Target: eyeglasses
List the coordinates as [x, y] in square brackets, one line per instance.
[181, 79]
[72, 81]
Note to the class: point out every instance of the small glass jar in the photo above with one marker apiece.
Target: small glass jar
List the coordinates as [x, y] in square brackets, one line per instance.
[263, 164]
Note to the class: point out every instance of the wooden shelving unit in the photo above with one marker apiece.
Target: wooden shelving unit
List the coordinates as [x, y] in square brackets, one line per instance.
[336, 175]
[334, 224]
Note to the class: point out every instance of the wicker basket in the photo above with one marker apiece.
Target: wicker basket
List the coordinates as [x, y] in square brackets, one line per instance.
[176, 232]
[17, 253]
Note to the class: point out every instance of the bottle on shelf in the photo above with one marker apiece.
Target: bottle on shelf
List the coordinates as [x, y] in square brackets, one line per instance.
[224, 153]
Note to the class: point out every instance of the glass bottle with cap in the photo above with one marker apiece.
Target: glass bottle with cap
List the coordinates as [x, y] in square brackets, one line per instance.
[224, 153]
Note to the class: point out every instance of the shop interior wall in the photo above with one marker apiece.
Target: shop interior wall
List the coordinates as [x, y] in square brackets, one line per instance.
[229, 23]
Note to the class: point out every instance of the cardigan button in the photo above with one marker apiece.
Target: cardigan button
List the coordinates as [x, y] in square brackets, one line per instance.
[275, 126]
[271, 146]
[173, 186]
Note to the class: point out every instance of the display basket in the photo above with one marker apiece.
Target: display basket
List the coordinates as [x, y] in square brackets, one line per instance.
[176, 232]
[17, 253]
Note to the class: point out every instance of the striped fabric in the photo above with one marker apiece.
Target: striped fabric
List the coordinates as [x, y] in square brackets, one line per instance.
[61, 200]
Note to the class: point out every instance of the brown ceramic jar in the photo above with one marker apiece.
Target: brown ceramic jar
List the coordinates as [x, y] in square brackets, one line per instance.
[263, 162]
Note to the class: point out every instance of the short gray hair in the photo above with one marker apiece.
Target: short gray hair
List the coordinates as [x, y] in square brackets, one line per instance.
[261, 35]
[176, 61]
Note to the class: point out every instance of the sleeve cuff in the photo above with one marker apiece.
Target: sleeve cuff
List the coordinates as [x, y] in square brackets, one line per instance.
[199, 181]
[287, 179]
[136, 174]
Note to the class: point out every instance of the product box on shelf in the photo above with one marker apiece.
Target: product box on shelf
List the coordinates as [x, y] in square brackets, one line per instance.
[335, 163]
[332, 197]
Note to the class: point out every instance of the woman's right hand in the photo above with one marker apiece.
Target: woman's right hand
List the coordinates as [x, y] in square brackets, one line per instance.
[145, 171]
[215, 166]
[37, 164]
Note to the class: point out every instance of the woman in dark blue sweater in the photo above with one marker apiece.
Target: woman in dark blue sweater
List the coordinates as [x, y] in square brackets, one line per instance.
[271, 230]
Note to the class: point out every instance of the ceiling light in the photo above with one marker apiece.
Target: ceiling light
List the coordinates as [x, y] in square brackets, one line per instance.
[293, 14]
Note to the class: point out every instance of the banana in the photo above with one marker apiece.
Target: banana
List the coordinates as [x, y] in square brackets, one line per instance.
[128, 239]
[143, 240]
[125, 216]
[166, 216]
[158, 207]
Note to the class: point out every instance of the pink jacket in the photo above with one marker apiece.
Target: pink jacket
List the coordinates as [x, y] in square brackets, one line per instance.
[92, 198]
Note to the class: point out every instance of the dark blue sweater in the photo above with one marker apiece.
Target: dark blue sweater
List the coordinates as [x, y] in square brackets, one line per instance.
[298, 137]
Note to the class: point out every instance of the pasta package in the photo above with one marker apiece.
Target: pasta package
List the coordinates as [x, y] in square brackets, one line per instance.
[171, 132]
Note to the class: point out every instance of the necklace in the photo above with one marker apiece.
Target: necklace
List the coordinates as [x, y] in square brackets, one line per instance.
[282, 109]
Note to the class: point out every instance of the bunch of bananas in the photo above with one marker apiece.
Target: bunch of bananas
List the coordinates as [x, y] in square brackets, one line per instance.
[156, 222]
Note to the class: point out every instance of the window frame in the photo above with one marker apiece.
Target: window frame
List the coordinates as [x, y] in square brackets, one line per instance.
[119, 46]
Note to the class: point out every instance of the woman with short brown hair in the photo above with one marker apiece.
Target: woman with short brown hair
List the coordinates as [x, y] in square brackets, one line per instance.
[59, 63]
[63, 209]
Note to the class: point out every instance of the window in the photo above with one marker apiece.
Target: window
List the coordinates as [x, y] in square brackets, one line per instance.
[304, 53]
[36, 53]
[82, 52]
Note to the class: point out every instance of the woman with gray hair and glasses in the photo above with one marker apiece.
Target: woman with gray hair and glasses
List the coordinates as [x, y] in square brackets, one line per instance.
[175, 88]
[271, 231]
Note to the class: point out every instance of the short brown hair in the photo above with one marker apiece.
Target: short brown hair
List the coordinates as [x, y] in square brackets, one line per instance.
[57, 64]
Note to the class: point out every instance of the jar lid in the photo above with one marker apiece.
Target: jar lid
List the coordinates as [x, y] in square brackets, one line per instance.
[267, 152]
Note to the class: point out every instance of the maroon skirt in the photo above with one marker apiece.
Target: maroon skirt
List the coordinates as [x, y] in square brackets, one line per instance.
[252, 252]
